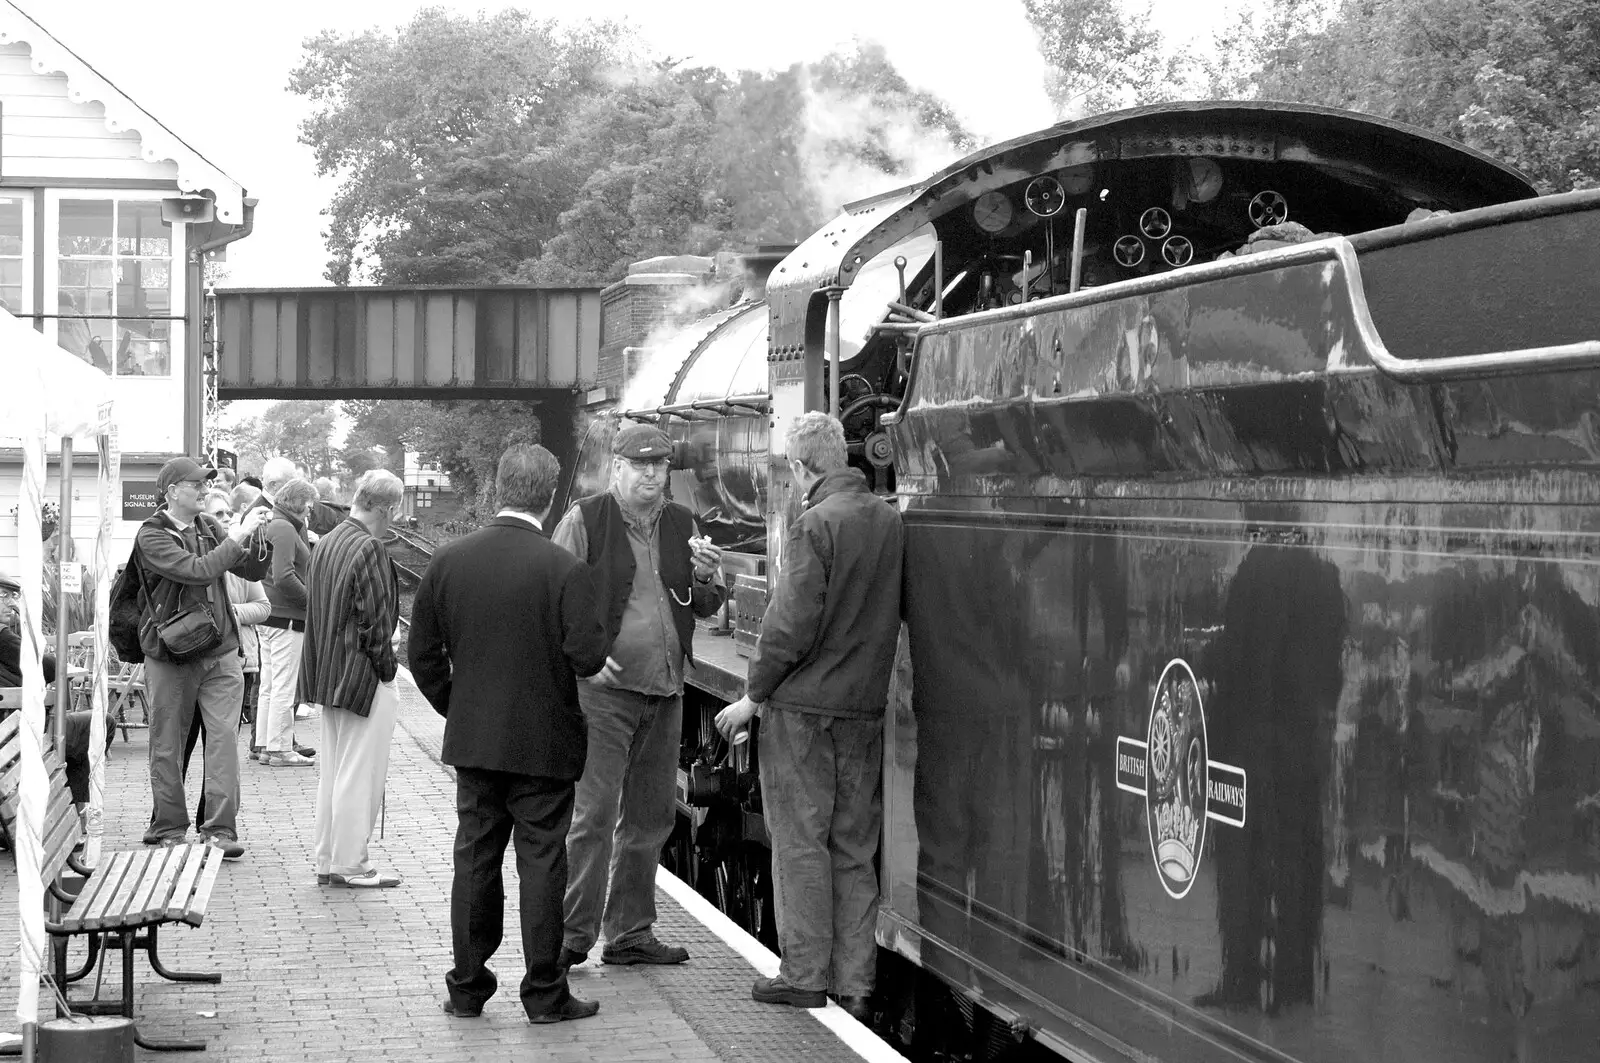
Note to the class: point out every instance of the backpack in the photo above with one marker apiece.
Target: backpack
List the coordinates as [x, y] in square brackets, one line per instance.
[127, 609]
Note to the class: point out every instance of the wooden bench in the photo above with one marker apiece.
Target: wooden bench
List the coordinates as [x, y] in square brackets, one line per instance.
[123, 903]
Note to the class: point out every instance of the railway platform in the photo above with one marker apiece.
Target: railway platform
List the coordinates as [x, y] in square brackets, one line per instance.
[312, 973]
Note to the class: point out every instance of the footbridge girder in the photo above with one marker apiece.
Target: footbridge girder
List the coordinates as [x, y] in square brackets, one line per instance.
[406, 342]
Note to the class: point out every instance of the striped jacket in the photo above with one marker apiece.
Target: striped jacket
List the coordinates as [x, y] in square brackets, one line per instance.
[352, 606]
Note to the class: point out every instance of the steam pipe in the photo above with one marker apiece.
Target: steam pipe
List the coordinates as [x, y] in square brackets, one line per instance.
[1027, 267]
[1078, 224]
[835, 345]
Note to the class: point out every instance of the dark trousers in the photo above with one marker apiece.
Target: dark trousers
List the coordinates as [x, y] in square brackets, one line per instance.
[493, 807]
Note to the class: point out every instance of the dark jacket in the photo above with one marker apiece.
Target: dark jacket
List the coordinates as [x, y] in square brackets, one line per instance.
[502, 627]
[352, 608]
[290, 560]
[164, 556]
[829, 633]
[11, 659]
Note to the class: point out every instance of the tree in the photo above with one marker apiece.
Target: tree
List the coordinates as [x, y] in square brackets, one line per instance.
[553, 155]
[1517, 79]
[441, 136]
[300, 430]
[465, 438]
[1103, 58]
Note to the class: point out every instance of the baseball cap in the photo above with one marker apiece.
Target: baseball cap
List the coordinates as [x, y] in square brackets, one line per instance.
[180, 469]
[642, 442]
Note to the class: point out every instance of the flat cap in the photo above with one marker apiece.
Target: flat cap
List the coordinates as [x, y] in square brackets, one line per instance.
[7, 583]
[642, 442]
[179, 469]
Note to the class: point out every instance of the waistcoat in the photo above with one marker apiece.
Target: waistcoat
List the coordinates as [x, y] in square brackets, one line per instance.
[611, 559]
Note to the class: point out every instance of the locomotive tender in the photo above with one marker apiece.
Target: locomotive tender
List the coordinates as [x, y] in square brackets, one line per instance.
[1249, 705]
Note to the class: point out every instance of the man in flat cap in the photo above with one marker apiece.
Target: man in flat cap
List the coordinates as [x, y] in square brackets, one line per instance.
[185, 554]
[653, 575]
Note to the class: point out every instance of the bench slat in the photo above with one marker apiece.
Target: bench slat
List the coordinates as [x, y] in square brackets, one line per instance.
[140, 901]
[102, 884]
[186, 880]
[61, 836]
[195, 912]
[155, 902]
[111, 913]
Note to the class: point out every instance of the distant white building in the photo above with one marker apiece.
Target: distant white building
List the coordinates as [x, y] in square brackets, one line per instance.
[428, 494]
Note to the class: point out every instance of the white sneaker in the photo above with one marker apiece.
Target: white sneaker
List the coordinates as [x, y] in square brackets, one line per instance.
[289, 759]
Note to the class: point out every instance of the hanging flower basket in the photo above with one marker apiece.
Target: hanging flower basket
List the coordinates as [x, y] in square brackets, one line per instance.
[49, 518]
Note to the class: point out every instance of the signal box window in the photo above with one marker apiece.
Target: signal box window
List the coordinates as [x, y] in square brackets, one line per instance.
[114, 285]
[424, 499]
[12, 250]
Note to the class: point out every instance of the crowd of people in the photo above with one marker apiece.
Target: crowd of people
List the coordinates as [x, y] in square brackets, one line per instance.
[557, 657]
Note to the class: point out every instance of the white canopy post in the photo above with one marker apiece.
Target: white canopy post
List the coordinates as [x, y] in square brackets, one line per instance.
[110, 462]
[33, 786]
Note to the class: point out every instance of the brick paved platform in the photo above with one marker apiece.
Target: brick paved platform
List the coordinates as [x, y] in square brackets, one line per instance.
[312, 973]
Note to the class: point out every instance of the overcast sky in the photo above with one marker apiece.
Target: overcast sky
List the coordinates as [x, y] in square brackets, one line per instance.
[216, 75]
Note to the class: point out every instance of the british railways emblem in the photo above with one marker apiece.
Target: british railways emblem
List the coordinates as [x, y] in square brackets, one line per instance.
[1182, 786]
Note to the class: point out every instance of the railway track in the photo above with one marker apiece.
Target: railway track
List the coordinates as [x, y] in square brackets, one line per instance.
[410, 553]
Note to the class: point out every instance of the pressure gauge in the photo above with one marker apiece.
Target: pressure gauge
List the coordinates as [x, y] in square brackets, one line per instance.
[992, 211]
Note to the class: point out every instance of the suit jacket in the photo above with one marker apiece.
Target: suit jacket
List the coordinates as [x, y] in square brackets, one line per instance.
[503, 625]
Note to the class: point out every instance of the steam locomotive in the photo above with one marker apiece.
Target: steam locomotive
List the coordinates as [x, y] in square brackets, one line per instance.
[1249, 699]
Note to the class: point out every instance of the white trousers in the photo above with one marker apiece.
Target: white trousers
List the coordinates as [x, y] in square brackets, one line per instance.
[352, 764]
[280, 670]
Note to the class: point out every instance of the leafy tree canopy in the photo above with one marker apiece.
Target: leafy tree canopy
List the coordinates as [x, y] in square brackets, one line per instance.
[1102, 57]
[499, 148]
[299, 429]
[1517, 79]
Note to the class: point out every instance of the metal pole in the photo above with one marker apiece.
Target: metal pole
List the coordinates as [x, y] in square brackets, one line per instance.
[938, 278]
[834, 347]
[1078, 224]
[63, 549]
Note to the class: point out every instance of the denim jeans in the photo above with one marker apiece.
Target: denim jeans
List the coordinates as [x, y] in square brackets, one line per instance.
[822, 797]
[212, 686]
[622, 815]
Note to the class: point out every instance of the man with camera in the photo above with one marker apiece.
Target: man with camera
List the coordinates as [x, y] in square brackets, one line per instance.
[191, 648]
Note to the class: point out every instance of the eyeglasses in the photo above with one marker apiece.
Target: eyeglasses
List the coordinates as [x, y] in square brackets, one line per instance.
[648, 465]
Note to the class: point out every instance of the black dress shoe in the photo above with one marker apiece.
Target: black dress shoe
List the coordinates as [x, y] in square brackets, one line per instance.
[571, 958]
[572, 1009]
[859, 1008]
[462, 1011]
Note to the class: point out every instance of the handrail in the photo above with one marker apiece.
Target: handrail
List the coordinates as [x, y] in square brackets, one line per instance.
[1338, 249]
[733, 406]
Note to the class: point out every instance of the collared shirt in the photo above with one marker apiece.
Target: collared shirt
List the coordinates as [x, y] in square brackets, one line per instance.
[521, 515]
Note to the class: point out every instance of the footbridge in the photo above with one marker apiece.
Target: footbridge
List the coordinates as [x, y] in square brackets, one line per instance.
[407, 342]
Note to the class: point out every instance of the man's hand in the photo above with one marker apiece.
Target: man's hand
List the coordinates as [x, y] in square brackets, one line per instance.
[608, 674]
[706, 556]
[246, 526]
[736, 717]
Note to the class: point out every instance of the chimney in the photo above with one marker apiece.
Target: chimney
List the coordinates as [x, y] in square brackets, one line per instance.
[758, 266]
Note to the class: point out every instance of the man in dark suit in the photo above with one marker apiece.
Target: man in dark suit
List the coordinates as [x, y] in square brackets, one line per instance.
[503, 625]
